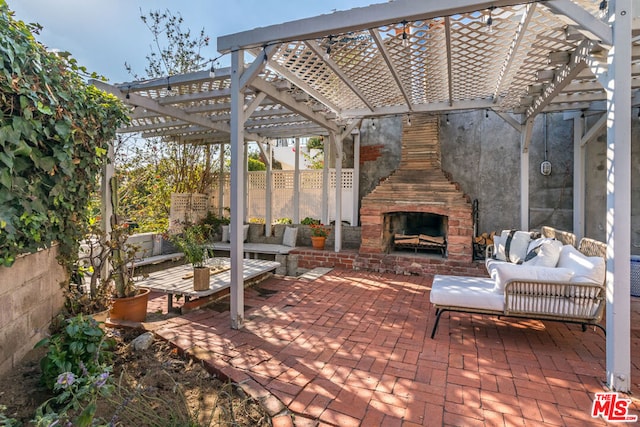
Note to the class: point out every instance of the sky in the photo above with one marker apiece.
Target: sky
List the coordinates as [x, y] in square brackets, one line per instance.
[104, 34]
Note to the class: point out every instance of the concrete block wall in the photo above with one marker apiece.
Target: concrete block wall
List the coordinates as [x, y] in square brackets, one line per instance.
[30, 295]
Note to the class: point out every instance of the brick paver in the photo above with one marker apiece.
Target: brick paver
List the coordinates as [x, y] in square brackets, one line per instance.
[353, 348]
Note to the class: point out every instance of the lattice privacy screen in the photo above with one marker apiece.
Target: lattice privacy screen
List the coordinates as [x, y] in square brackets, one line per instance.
[187, 208]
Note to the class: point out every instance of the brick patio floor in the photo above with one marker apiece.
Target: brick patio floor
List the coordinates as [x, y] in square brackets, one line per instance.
[352, 348]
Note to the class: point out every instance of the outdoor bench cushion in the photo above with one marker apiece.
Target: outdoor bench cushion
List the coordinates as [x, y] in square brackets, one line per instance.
[261, 248]
[466, 292]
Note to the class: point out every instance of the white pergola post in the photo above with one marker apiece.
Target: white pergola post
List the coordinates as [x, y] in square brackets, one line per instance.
[245, 169]
[268, 192]
[356, 177]
[619, 198]
[579, 176]
[296, 184]
[338, 213]
[525, 139]
[221, 182]
[237, 194]
[325, 185]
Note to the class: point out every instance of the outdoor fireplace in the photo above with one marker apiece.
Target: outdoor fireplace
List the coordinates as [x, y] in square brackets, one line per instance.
[415, 231]
[418, 207]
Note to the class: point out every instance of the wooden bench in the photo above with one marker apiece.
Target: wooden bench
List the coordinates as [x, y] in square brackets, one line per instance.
[254, 248]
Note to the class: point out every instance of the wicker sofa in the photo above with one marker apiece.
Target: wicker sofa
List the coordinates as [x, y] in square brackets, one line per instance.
[573, 295]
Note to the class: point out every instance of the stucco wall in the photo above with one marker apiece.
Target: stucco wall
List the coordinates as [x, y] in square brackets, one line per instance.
[30, 296]
[596, 193]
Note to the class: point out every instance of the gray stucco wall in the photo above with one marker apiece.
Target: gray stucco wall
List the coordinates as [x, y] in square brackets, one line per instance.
[596, 192]
[483, 155]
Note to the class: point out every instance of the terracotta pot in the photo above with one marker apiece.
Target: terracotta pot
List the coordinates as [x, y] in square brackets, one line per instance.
[132, 308]
[201, 278]
[318, 242]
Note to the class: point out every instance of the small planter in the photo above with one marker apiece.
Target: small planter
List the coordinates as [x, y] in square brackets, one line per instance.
[201, 278]
[133, 308]
[318, 242]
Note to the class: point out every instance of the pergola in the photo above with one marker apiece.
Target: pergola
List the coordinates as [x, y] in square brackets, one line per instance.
[323, 75]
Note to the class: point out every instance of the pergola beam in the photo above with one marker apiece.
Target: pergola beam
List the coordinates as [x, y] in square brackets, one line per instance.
[513, 49]
[302, 85]
[161, 83]
[386, 56]
[477, 104]
[335, 68]
[590, 26]
[447, 32]
[153, 105]
[562, 78]
[357, 19]
[288, 100]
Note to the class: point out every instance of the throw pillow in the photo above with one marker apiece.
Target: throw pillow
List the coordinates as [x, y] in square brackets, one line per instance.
[516, 244]
[543, 252]
[498, 248]
[290, 236]
[226, 233]
[586, 269]
[507, 272]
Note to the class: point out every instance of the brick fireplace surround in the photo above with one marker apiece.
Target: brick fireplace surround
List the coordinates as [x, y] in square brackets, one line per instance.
[418, 185]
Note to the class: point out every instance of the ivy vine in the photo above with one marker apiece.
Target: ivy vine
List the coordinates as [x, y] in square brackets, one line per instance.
[54, 135]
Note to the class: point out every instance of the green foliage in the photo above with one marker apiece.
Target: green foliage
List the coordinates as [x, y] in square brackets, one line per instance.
[211, 223]
[255, 165]
[6, 421]
[309, 221]
[81, 347]
[316, 142]
[315, 161]
[191, 241]
[151, 170]
[283, 221]
[54, 134]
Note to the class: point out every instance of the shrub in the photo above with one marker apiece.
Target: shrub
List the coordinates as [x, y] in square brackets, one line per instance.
[309, 221]
[80, 348]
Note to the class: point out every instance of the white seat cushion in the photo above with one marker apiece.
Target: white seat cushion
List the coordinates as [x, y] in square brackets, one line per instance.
[466, 292]
[506, 272]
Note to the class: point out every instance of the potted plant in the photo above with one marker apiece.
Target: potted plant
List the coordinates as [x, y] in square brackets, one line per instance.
[191, 242]
[128, 302]
[319, 233]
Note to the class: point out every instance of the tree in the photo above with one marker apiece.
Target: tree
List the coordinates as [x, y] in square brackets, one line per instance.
[316, 161]
[153, 169]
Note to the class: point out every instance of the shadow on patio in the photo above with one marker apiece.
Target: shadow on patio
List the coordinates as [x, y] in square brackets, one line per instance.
[353, 348]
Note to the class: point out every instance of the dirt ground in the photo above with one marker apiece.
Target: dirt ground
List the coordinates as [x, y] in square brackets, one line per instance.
[154, 387]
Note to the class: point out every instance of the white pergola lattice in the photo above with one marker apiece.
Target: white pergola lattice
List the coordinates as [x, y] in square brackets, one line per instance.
[322, 75]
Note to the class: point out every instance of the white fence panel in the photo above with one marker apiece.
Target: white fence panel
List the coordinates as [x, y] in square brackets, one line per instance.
[282, 197]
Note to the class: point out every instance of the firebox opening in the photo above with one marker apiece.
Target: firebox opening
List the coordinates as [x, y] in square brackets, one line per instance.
[416, 231]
